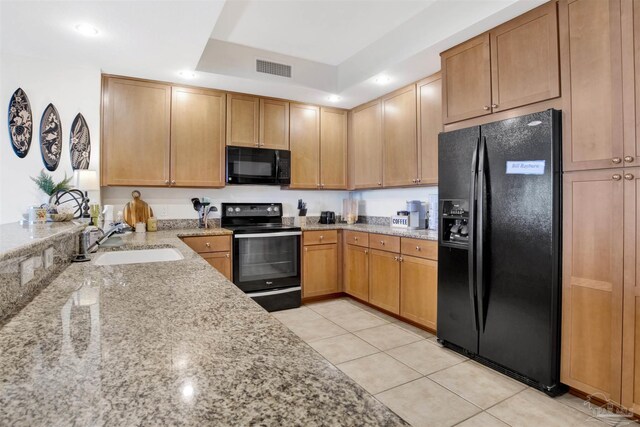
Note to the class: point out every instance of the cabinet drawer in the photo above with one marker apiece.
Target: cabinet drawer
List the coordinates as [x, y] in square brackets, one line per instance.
[320, 237]
[203, 244]
[384, 242]
[420, 248]
[357, 238]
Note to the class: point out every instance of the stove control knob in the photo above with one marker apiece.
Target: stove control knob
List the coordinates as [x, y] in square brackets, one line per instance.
[229, 209]
[268, 209]
[237, 209]
[276, 209]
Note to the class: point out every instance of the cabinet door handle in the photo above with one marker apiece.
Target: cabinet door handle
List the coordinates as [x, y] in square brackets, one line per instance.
[355, 238]
[173, 182]
[306, 249]
[628, 159]
[616, 160]
[366, 251]
[418, 248]
[494, 105]
[228, 256]
[401, 259]
[628, 176]
[616, 177]
[379, 183]
[419, 180]
[395, 258]
[486, 108]
[167, 182]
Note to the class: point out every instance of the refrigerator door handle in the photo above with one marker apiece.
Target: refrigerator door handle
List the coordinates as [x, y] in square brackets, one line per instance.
[479, 234]
[471, 231]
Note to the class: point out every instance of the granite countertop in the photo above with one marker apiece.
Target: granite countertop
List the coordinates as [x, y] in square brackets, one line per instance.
[380, 229]
[170, 343]
[17, 238]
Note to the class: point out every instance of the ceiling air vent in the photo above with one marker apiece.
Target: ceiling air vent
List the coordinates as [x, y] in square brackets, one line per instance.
[274, 68]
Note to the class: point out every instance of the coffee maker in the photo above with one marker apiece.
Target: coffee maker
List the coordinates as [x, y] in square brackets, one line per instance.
[417, 214]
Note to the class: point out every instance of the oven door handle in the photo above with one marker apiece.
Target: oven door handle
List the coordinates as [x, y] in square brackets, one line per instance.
[281, 234]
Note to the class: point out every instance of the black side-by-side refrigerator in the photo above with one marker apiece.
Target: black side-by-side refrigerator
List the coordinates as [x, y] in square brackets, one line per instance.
[499, 248]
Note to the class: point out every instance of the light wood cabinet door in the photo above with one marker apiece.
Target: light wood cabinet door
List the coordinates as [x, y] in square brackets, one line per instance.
[525, 65]
[592, 77]
[429, 104]
[384, 280]
[221, 261]
[320, 270]
[630, 11]
[197, 137]
[136, 132]
[274, 124]
[466, 79]
[419, 290]
[243, 120]
[365, 148]
[356, 271]
[631, 312]
[333, 149]
[592, 281]
[400, 138]
[305, 146]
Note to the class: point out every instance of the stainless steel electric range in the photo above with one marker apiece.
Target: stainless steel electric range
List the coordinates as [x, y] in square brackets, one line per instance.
[266, 254]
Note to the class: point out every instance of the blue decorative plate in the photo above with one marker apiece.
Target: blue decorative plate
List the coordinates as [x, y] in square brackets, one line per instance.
[20, 123]
[50, 138]
[80, 143]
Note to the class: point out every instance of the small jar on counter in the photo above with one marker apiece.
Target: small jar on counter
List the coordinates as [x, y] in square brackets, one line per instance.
[152, 224]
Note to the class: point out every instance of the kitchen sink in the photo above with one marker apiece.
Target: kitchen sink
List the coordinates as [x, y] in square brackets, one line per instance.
[141, 256]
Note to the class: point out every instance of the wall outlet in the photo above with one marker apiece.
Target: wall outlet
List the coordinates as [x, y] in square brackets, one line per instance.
[27, 271]
[48, 258]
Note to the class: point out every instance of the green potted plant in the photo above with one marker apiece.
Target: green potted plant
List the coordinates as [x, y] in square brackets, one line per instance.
[49, 187]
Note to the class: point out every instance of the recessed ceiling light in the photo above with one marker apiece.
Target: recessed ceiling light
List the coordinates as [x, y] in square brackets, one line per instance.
[333, 98]
[87, 30]
[187, 74]
[382, 79]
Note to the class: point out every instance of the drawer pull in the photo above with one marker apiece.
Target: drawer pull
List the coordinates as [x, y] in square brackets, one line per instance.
[355, 238]
[366, 251]
[418, 248]
[228, 256]
[321, 237]
[382, 242]
[208, 244]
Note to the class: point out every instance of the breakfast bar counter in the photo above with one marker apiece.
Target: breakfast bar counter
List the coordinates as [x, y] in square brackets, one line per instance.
[171, 343]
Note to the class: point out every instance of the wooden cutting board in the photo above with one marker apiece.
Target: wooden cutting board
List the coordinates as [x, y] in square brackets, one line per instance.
[136, 210]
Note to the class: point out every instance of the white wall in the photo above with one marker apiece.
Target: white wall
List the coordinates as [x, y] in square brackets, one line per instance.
[388, 202]
[175, 203]
[72, 90]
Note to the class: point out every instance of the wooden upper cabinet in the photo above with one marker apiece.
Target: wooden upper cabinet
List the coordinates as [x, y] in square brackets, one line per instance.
[429, 102]
[466, 73]
[333, 148]
[524, 59]
[136, 132]
[305, 146]
[365, 147]
[400, 138]
[197, 137]
[243, 120]
[274, 124]
[592, 281]
[592, 72]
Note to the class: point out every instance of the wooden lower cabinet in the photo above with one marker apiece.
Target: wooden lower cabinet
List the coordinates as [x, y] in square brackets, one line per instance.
[320, 270]
[419, 290]
[384, 280]
[221, 261]
[592, 288]
[356, 271]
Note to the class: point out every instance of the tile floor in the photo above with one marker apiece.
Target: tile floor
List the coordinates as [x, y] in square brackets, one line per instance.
[407, 370]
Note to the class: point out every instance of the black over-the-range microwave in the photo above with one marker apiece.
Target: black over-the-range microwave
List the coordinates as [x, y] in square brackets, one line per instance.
[246, 165]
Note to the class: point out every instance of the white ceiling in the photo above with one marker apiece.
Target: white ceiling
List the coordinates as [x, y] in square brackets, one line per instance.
[326, 31]
[334, 46]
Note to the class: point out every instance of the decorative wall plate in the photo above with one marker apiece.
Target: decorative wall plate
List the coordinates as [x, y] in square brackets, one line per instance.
[50, 137]
[20, 123]
[80, 143]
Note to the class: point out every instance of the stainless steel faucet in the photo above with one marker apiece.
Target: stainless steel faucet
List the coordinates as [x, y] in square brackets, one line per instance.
[86, 247]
